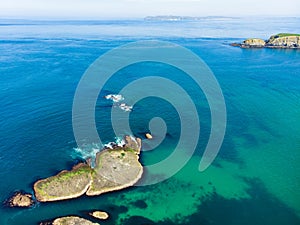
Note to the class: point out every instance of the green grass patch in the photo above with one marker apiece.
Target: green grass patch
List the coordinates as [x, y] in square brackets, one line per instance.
[130, 150]
[283, 35]
[286, 34]
[65, 176]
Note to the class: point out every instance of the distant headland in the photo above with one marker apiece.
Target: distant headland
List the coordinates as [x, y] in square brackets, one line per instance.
[185, 18]
[282, 40]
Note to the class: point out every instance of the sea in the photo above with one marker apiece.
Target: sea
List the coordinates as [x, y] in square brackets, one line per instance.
[255, 178]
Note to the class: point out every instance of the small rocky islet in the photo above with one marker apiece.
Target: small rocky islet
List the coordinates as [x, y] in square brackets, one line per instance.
[20, 199]
[115, 168]
[69, 220]
[101, 215]
[281, 41]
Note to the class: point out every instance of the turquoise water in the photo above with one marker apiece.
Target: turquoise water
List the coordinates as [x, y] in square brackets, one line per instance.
[255, 178]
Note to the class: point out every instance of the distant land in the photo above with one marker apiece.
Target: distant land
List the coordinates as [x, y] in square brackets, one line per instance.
[281, 40]
[186, 18]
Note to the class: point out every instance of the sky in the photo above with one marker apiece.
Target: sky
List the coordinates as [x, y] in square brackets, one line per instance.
[101, 9]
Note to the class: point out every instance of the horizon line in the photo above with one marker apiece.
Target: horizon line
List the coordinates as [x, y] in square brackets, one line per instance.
[136, 18]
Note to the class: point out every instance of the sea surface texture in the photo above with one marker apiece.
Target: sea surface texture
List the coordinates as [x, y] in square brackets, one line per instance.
[255, 178]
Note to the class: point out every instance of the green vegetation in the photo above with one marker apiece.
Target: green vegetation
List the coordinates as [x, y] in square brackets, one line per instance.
[130, 150]
[66, 175]
[280, 35]
[284, 35]
[73, 182]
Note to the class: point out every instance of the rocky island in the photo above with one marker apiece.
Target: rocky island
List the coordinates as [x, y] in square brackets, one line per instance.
[282, 40]
[20, 199]
[99, 215]
[69, 220]
[115, 169]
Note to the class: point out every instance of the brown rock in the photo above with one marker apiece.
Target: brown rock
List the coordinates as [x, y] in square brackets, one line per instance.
[148, 136]
[99, 215]
[284, 42]
[253, 43]
[69, 220]
[20, 199]
[133, 143]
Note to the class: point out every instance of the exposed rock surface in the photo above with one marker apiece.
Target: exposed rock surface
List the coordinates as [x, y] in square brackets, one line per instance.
[65, 185]
[254, 42]
[115, 169]
[282, 40]
[99, 215]
[133, 143]
[20, 199]
[148, 136]
[69, 220]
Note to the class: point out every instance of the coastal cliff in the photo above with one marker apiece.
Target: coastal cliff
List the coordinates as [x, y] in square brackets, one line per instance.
[282, 40]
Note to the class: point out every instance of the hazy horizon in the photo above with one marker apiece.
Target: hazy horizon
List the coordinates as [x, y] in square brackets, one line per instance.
[135, 9]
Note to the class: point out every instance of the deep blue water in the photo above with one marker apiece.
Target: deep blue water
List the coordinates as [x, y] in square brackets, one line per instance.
[255, 179]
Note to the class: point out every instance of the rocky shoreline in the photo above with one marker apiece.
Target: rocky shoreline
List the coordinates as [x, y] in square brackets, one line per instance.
[281, 41]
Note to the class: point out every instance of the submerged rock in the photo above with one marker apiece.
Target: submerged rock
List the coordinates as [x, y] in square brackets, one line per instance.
[20, 199]
[138, 220]
[99, 215]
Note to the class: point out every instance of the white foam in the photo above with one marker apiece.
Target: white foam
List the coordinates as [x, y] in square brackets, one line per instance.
[126, 108]
[114, 97]
[87, 151]
[109, 145]
[120, 142]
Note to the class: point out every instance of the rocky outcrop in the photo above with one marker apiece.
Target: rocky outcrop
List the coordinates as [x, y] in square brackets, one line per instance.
[65, 185]
[20, 199]
[115, 168]
[148, 136]
[253, 43]
[69, 220]
[282, 40]
[99, 215]
[133, 143]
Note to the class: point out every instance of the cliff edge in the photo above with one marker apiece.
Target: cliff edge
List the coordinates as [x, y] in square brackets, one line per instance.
[282, 40]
